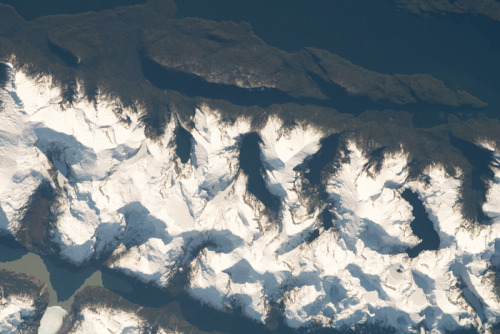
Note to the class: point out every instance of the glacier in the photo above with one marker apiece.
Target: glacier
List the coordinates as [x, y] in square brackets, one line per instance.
[123, 195]
[14, 312]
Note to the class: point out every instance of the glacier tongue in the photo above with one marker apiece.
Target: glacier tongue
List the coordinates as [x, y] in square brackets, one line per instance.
[121, 193]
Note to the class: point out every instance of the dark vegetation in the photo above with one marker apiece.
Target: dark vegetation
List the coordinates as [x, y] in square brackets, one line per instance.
[64, 55]
[31, 9]
[37, 219]
[193, 85]
[476, 181]
[490, 9]
[465, 52]
[142, 56]
[20, 284]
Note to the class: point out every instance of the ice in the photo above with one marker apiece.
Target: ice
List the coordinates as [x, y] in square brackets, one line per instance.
[52, 320]
[14, 311]
[124, 193]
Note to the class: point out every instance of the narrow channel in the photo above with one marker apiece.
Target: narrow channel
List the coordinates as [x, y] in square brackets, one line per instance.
[62, 283]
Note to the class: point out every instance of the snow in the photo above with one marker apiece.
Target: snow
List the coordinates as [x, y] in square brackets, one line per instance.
[14, 312]
[105, 320]
[122, 192]
[52, 320]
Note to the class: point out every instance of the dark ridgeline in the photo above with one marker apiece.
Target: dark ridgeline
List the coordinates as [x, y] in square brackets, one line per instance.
[251, 165]
[194, 86]
[421, 226]
[314, 168]
[327, 218]
[156, 119]
[38, 219]
[477, 183]
[69, 93]
[191, 85]
[376, 159]
[465, 48]
[325, 155]
[32, 9]
[250, 160]
[4, 78]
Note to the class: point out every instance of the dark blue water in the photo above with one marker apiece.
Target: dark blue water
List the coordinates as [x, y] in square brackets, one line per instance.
[421, 226]
[194, 86]
[251, 165]
[425, 114]
[4, 74]
[62, 280]
[31, 9]
[463, 51]
[10, 249]
[183, 143]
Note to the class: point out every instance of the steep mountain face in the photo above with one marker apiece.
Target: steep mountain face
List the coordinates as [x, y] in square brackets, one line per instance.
[23, 301]
[106, 320]
[107, 192]
[488, 8]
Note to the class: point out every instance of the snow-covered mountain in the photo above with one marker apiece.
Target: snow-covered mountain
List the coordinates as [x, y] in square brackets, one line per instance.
[108, 320]
[120, 193]
[23, 301]
[14, 311]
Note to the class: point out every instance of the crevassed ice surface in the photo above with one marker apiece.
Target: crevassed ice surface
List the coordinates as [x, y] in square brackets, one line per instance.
[123, 193]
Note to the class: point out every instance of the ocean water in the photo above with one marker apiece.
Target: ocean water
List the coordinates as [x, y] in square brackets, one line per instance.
[461, 50]
[32, 9]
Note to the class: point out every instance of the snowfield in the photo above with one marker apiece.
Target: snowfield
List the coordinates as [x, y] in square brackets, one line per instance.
[15, 311]
[120, 192]
[110, 321]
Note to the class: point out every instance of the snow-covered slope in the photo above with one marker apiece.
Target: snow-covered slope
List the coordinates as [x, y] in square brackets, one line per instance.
[52, 320]
[111, 321]
[15, 311]
[121, 192]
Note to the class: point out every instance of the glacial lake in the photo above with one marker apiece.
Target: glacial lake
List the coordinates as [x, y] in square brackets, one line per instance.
[463, 51]
[63, 283]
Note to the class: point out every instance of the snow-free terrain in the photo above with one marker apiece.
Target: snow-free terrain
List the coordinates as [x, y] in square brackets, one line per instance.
[120, 192]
